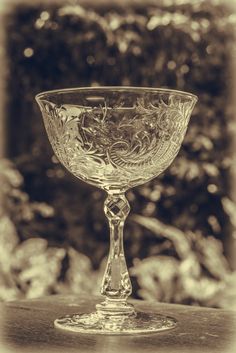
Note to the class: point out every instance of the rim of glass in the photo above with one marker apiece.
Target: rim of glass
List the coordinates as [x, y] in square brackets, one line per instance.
[108, 88]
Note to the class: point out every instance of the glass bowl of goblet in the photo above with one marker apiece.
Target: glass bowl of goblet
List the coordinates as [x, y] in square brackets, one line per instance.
[116, 138]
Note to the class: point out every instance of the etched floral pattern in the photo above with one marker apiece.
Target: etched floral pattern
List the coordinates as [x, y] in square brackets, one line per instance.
[118, 146]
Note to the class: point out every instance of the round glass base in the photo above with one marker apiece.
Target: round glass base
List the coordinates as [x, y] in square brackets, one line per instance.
[95, 323]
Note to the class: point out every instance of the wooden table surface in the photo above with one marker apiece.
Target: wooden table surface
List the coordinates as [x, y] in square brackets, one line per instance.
[27, 326]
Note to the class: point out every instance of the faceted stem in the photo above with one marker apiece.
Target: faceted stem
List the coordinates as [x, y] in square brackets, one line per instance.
[116, 284]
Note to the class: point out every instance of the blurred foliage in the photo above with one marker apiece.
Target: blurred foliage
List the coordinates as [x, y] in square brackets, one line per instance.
[176, 44]
[31, 268]
[198, 274]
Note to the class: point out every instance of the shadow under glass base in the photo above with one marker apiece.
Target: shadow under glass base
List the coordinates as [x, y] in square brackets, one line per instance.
[137, 323]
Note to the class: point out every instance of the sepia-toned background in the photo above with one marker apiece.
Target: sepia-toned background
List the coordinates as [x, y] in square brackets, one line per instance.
[181, 233]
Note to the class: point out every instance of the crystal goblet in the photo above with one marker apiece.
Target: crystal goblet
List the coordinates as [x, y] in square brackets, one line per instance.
[116, 138]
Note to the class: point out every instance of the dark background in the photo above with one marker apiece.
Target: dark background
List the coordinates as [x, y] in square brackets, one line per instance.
[181, 225]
